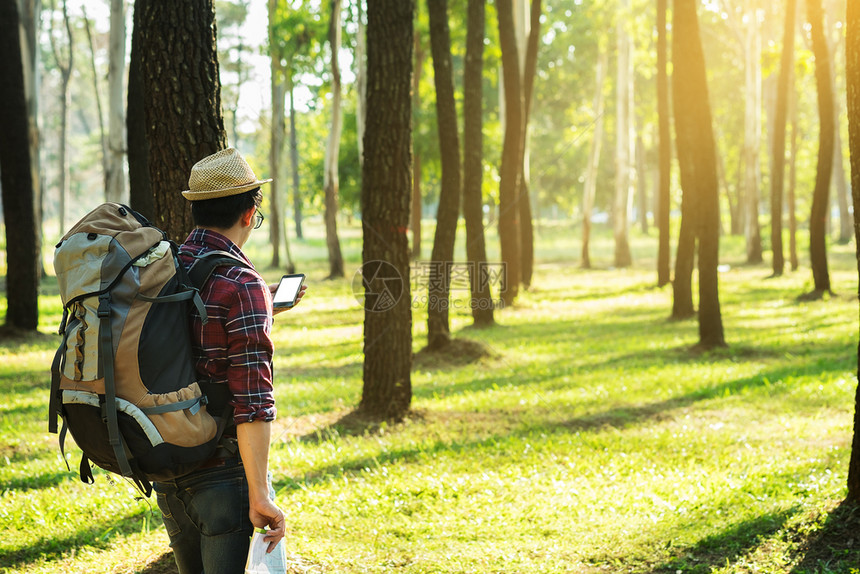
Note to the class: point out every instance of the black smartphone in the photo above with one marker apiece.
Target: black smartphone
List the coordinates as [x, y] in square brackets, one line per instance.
[288, 290]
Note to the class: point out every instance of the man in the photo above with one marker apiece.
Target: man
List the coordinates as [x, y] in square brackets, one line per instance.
[210, 514]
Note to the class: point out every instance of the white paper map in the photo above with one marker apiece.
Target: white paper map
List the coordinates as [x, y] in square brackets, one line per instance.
[259, 562]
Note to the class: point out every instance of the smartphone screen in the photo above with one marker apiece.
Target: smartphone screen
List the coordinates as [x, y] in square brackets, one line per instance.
[288, 290]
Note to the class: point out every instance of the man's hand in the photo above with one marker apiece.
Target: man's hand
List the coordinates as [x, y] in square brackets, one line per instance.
[267, 515]
[274, 287]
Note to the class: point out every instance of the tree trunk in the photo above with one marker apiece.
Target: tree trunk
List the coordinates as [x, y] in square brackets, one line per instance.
[294, 163]
[183, 118]
[786, 82]
[139, 185]
[752, 133]
[697, 160]
[115, 173]
[277, 137]
[665, 151]
[512, 152]
[623, 140]
[360, 80]
[852, 76]
[527, 249]
[417, 201]
[438, 327]
[65, 65]
[641, 184]
[332, 152]
[98, 98]
[385, 192]
[839, 177]
[820, 197]
[22, 236]
[590, 188]
[473, 170]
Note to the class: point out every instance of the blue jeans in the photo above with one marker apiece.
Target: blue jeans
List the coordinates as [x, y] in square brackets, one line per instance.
[206, 516]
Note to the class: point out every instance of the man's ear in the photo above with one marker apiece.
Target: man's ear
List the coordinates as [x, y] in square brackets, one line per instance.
[247, 216]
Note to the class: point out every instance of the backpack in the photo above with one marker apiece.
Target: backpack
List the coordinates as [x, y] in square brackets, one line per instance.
[123, 379]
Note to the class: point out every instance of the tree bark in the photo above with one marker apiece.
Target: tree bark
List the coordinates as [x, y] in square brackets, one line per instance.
[385, 193]
[115, 168]
[698, 164]
[294, 163]
[473, 159]
[665, 150]
[590, 187]
[182, 102]
[22, 237]
[442, 257]
[512, 150]
[852, 80]
[332, 153]
[786, 81]
[527, 242]
[752, 132]
[139, 185]
[277, 137]
[820, 197]
[417, 200]
[623, 140]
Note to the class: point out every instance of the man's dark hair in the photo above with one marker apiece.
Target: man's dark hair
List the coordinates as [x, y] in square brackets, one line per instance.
[224, 212]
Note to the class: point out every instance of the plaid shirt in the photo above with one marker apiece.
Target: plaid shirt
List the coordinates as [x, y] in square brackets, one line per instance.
[234, 346]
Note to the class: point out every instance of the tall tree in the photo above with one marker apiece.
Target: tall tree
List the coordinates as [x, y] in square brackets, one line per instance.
[624, 137]
[697, 160]
[385, 193]
[752, 131]
[529, 69]
[510, 173]
[417, 200]
[664, 151]
[182, 101]
[332, 150]
[139, 186]
[65, 60]
[277, 145]
[22, 257]
[821, 194]
[473, 159]
[115, 164]
[852, 76]
[442, 257]
[591, 172]
[786, 76]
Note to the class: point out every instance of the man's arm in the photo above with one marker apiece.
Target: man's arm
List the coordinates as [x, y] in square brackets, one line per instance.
[254, 449]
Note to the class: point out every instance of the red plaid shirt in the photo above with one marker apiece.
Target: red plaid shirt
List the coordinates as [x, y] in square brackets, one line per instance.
[234, 346]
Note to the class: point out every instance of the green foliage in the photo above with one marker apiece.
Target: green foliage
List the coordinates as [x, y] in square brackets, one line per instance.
[592, 438]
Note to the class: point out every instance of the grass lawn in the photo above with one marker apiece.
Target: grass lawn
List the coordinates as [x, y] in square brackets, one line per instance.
[590, 439]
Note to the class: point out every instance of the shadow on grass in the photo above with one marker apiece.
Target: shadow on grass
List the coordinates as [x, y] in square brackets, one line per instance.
[99, 535]
[164, 564]
[834, 546]
[726, 547]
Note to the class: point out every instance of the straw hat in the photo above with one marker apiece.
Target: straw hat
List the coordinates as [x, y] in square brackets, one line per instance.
[221, 174]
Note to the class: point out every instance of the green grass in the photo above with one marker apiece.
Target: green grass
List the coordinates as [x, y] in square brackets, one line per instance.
[591, 439]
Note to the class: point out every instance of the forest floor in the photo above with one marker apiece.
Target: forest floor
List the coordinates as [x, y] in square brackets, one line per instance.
[588, 437]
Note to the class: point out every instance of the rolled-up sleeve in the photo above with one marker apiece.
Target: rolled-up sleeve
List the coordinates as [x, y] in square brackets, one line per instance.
[249, 352]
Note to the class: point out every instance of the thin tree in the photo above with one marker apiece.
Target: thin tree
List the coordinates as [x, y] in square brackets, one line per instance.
[332, 150]
[438, 327]
[821, 194]
[22, 255]
[65, 63]
[623, 138]
[473, 169]
[114, 165]
[697, 160]
[852, 77]
[752, 131]
[510, 173]
[786, 76]
[385, 192]
[664, 150]
[103, 136]
[417, 200]
[182, 102]
[529, 70]
[590, 187]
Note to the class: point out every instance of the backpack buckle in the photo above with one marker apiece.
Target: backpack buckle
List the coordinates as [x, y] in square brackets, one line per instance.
[104, 306]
